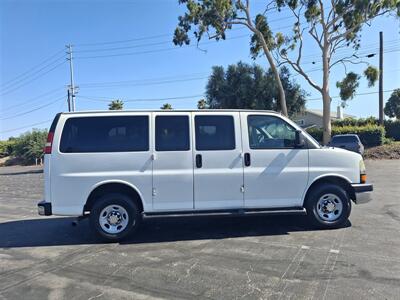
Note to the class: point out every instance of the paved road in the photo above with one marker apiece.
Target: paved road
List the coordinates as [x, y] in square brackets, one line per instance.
[216, 258]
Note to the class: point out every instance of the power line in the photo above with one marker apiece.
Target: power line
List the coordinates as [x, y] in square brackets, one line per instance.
[31, 100]
[33, 68]
[159, 36]
[170, 48]
[145, 83]
[145, 79]
[96, 98]
[27, 126]
[27, 76]
[33, 79]
[32, 110]
[359, 94]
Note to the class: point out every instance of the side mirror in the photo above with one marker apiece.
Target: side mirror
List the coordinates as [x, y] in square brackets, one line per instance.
[299, 139]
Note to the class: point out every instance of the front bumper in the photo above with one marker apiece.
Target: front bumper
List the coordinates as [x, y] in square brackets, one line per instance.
[362, 192]
[44, 208]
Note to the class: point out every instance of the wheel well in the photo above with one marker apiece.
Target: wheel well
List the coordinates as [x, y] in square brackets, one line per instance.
[113, 188]
[332, 180]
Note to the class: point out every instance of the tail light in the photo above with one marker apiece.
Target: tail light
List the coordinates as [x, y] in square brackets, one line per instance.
[363, 173]
[50, 136]
[49, 143]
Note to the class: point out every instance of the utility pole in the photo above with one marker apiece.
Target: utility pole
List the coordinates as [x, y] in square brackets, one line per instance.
[71, 69]
[69, 100]
[381, 118]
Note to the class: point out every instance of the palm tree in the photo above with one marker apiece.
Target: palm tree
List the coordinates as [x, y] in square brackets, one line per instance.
[166, 106]
[116, 105]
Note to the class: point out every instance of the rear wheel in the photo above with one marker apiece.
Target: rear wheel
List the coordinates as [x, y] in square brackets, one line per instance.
[114, 216]
[328, 206]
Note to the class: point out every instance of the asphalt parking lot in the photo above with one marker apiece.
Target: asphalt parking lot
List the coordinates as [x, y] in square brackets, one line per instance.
[215, 258]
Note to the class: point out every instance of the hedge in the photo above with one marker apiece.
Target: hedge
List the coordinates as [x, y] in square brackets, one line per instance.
[370, 135]
[392, 128]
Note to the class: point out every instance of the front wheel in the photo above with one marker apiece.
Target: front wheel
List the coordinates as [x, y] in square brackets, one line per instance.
[114, 216]
[328, 206]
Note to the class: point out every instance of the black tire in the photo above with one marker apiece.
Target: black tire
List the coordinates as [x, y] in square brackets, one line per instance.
[122, 200]
[312, 206]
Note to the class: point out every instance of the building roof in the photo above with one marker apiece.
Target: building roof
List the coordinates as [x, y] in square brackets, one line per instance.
[318, 112]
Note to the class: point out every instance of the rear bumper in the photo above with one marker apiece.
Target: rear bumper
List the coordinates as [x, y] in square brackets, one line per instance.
[44, 208]
[362, 192]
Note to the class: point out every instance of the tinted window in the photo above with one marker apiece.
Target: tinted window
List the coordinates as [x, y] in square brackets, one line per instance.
[269, 132]
[172, 133]
[215, 133]
[345, 139]
[105, 134]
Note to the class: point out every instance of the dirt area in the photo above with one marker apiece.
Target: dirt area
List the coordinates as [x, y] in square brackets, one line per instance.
[391, 151]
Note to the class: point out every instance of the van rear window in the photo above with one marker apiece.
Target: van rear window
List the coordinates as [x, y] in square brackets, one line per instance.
[105, 134]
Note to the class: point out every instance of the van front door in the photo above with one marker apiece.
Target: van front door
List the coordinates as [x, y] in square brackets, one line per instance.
[218, 166]
[275, 172]
[172, 161]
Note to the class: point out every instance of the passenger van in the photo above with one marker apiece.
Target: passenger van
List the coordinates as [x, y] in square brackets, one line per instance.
[117, 167]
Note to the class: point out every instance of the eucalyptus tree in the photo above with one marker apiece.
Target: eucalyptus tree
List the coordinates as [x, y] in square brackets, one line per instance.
[332, 25]
[213, 18]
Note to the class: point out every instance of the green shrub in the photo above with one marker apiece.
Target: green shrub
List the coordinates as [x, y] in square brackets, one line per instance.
[316, 133]
[6, 148]
[370, 135]
[29, 146]
[355, 122]
[393, 129]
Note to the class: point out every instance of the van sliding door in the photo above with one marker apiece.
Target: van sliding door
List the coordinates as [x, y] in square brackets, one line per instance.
[218, 166]
[172, 161]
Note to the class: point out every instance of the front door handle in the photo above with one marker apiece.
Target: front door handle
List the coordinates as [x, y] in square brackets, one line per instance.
[199, 161]
[247, 159]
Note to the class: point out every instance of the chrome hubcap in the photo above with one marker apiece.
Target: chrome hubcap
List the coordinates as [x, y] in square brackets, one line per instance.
[329, 207]
[113, 219]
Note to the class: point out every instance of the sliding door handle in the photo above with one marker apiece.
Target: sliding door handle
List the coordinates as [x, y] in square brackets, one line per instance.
[247, 159]
[199, 161]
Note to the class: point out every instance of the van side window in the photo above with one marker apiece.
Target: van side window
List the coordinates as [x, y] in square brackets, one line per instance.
[270, 132]
[215, 133]
[172, 133]
[105, 134]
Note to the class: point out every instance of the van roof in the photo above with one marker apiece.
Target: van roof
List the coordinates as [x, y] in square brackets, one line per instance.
[171, 110]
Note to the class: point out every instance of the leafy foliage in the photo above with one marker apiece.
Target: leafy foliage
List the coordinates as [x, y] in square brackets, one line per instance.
[348, 86]
[244, 86]
[371, 73]
[202, 104]
[6, 147]
[116, 105]
[332, 25]
[392, 128]
[370, 135]
[212, 18]
[29, 146]
[166, 106]
[392, 106]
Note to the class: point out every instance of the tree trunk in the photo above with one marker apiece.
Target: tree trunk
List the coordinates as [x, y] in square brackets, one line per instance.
[282, 97]
[326, 117]
[326, 99]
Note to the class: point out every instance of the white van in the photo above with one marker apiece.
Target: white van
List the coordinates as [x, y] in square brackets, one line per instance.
[120, 166]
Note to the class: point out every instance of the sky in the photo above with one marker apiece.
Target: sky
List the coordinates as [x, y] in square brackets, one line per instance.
[124, 50]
